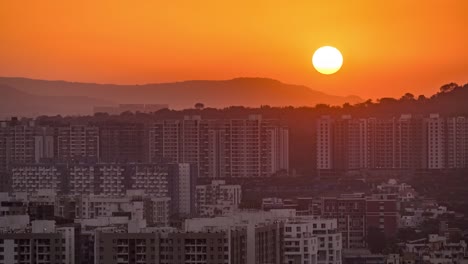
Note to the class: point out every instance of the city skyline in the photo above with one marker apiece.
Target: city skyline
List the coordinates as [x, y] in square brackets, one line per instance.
[244, 132]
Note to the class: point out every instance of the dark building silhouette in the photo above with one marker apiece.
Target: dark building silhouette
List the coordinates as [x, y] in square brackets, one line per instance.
[122, 142]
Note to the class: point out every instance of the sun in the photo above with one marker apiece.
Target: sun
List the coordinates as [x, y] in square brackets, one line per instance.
[327, 60]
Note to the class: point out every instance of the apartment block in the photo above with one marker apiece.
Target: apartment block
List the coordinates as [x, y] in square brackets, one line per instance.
[30, 178]
[325, 143]
[356, 213]
[436, 142]
[122, 142]
[172, 247]
[231, 148]
[217, 198]
[182, 182]
[22, 142]
[350, 213]
[382, 212]
[42, 243]
[279, 236]
[408, 142]
[457, 142]
[77, 143]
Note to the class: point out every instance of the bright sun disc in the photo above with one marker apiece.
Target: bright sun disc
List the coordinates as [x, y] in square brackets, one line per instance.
[327, 60]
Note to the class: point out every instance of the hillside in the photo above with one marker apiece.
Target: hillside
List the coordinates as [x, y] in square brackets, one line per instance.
[249, 92]
[14, 102]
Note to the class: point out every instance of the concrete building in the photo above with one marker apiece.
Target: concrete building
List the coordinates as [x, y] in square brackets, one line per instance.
[382, 212]
[136, 206]
[311, 240]
[382, 135]
[30, 178]
[182, 182]
[171, 247]
[22, 142]
[350, 213]
[157, 211]
[115, 179]
[217, 198]
[77, 143]
[356, 213]
[232, 148]
[43, 243]
[350, 150]
[279, 236]
[457, 142]
[436, 249]
[91, 206]
[325, 143]
[436, 142]
[408, 142]
[122, 143]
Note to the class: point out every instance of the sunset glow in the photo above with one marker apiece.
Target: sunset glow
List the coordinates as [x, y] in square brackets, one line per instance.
[129, 42]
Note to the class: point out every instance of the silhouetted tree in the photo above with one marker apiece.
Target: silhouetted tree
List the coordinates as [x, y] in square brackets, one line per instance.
[407, 97]
[199, 106]
[448, 87]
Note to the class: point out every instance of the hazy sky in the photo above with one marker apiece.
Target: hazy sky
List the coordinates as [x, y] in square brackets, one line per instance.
[389, 47]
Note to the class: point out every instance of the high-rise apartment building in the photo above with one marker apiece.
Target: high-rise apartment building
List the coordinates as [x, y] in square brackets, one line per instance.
[231, 148]
[182, 182]
[325, 143]
[77, 143]
[410, 139]
[24, 143]
[436, 142]
[457, 142]
[350, 149]
[408, 143]
[122, 142]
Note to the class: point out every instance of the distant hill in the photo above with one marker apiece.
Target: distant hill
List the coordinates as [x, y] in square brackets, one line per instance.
[14, 102]
[248, 92]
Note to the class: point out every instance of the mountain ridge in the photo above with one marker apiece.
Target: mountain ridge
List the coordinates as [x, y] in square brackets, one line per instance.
[246, 91]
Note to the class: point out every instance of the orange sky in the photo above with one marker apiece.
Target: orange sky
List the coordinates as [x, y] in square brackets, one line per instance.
[389, 47]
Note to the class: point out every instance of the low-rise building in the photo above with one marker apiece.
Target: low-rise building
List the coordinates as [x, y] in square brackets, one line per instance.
[436, 249]
[171, 247]
[217, 198]
[42, 242]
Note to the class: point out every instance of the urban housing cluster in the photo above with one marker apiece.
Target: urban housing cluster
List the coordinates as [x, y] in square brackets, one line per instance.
[171, 191]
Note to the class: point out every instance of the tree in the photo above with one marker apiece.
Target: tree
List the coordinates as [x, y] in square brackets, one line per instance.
[199, 106]
[446, 88]
[421, 97]
[407, 97]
